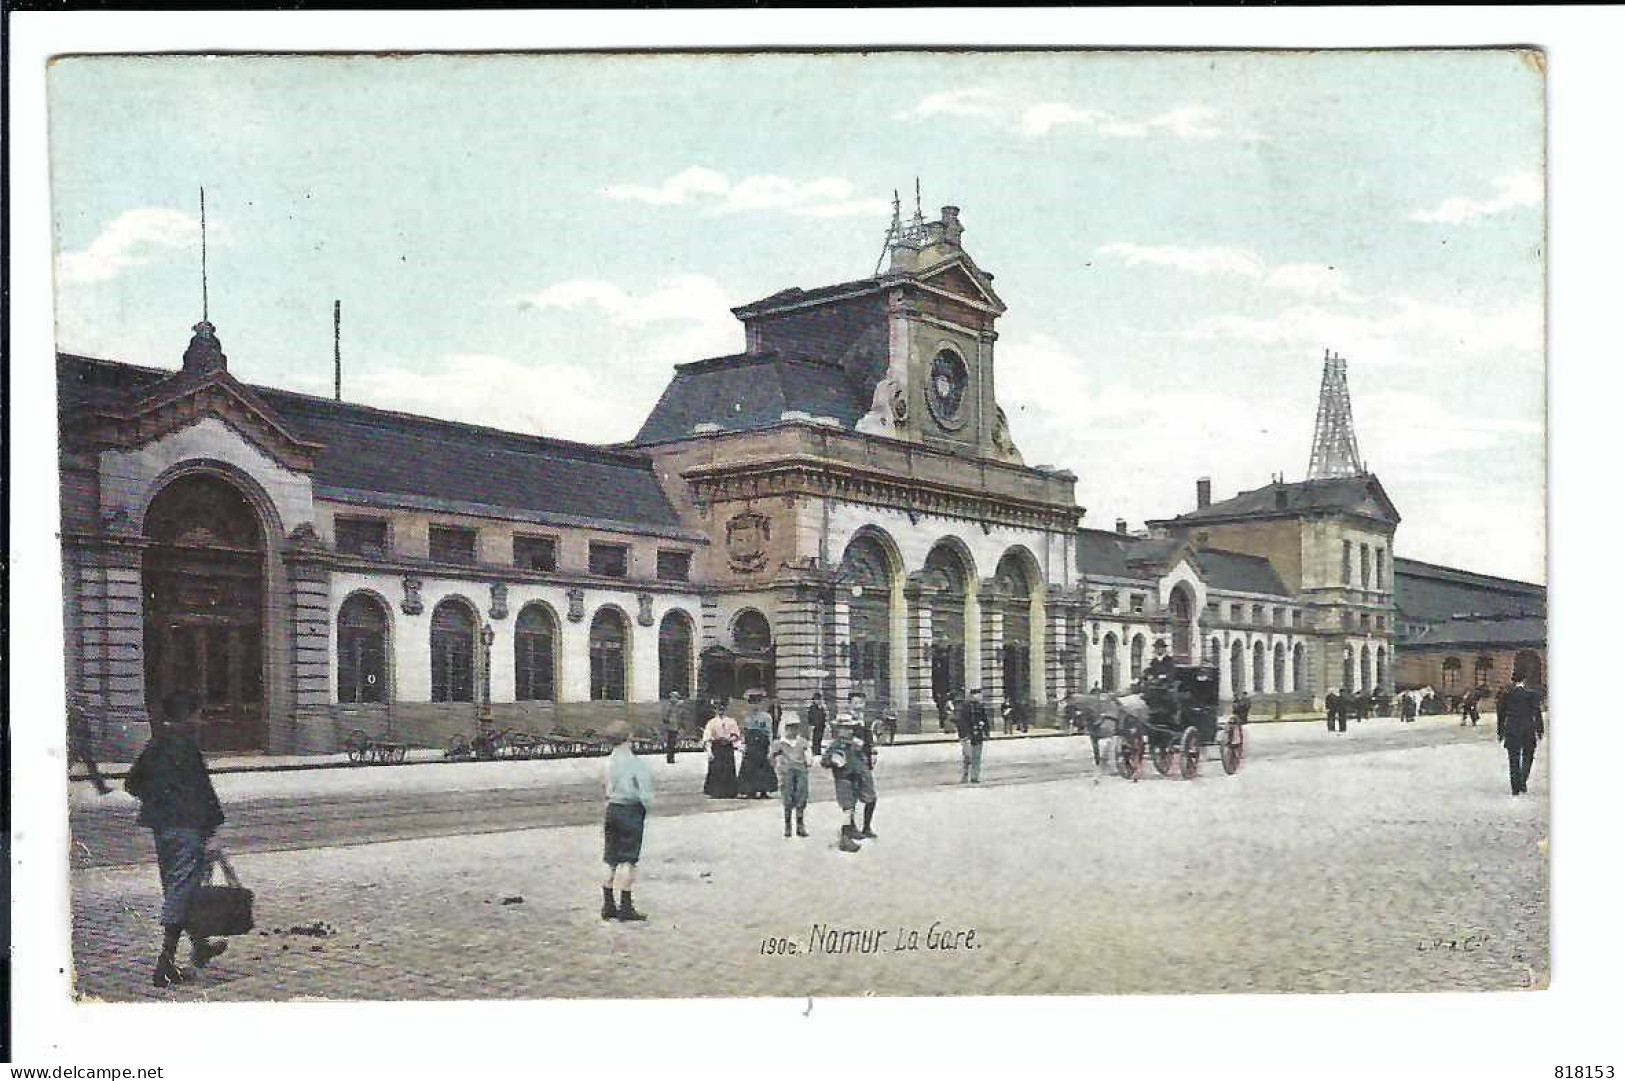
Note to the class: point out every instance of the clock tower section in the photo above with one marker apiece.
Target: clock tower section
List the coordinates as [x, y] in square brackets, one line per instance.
[938, 385]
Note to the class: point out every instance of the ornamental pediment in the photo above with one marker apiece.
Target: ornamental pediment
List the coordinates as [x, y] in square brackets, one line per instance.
[959, 279]
[188, 397]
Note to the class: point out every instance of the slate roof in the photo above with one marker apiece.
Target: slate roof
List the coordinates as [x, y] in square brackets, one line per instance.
[797, 295]
[1479, 633]
[1426, 592]
[387, 453]
[1362, 495]
[1240, 572]
[1116, 555]
[749, 391]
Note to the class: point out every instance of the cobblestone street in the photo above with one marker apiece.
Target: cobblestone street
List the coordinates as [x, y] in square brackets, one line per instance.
[1389, 859]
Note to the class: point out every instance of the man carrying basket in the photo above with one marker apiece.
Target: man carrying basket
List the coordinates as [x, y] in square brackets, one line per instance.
[179, 805]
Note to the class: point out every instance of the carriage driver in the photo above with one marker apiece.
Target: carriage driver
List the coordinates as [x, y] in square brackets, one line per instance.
[1162, 665]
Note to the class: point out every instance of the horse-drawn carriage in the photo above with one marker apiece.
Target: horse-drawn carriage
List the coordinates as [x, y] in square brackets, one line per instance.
[1175, 719]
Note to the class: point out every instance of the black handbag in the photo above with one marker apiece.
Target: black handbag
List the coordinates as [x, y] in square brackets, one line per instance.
[221, 910]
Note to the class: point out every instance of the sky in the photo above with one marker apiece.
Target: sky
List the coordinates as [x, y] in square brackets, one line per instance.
[532, 242]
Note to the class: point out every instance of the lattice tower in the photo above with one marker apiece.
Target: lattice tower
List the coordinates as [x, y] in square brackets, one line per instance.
[1336, 452]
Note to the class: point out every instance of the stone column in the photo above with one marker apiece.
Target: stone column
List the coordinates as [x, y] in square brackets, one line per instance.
[799, 658]
[312, 727]
[841, 637]
[919, 699]
[992, 644]
[1056, 646]
[108, 633]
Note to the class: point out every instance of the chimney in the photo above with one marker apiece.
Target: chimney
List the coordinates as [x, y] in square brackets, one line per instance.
[951, 229]
[1280, 496]
[1122, 526]
[1204, 492]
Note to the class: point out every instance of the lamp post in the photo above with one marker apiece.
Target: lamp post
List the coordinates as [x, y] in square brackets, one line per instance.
[488, 637]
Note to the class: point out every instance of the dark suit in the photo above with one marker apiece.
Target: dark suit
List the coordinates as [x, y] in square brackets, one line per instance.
[1336, 718]
[1519, 727]
[817, 718]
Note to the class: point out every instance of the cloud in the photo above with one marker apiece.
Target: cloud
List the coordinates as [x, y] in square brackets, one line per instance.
[1303, 279]
[825, 197]
[1408, 331]
[134, 238]
[1524, 189]
[1187, 122]
[971, 101]
[684, 298]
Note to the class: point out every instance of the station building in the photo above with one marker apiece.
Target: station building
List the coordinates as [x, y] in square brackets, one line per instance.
[840, 507]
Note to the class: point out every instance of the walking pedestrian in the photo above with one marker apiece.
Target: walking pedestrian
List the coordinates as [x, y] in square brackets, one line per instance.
[817, 718]
[721, 738]
[1362, 705]
[1242, 707]
[973, 733]
[629, 796]
[81, 745]
[672, 712]
[849, 762]
[179, 805]
[1407, 707]
[1469, 707]
[792, 757]
[756, 778]
[1519, 727]
[1334, 711]
[1007, 714]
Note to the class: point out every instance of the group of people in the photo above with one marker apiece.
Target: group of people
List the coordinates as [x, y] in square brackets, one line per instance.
[1341, 705]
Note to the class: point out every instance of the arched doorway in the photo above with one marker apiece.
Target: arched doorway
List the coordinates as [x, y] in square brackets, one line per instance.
[1258, 667]
[676, 654]
[1015, 590]
[1108, 663]
[607, 650]
[866, 575]
[948, 581]
[203, 581]
[1179, 618]
[1238, 669]
[1280, 668]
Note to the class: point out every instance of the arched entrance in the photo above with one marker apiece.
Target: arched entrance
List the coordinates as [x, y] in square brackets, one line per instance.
[948, 580]
[1279, 669]
[1108, 663]
[1015, 590]
[1238, 669]
[203, 582]
[1180, 623]
[866, 575]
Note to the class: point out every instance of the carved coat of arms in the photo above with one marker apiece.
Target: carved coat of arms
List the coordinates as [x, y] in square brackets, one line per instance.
[746, 541]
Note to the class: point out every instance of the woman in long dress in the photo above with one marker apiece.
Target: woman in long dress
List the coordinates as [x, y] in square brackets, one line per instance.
[756, 775]
[721, 739]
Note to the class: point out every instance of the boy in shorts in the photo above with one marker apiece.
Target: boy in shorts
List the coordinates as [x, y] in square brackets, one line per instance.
[791, 754]
[848, 760]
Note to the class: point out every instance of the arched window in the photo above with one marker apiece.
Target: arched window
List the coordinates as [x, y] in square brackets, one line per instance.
[607, 644]
[1136, 657]
[1299, 674]
[1483, 668]
[1280, 668]
[1238, 668]
[676, 655]
[752, 632]
[1452, 673]
[1258, 667]
[1108, 663]
[451, 653]
[363, 650]
[535, 655]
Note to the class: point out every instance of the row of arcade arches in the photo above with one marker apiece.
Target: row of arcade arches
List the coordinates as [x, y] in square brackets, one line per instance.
[365, 655]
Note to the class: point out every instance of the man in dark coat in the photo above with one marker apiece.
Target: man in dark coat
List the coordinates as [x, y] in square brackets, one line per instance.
[974, 731]
[1335, 720]
[672, 712]
[1519, 727]
[817, 719]
[179, 805]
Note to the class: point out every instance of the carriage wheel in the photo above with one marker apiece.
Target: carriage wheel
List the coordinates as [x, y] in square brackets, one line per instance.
[1131, 756]
[1234, 747]
[1190, 754]
[1162, 757]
